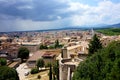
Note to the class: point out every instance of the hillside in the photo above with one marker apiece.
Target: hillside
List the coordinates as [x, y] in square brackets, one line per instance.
[110, 31]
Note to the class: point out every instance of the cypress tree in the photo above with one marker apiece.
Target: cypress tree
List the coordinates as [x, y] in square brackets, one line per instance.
[50, 73]
[94, 45]
[57, 44]
[56, 70]
[40, 63]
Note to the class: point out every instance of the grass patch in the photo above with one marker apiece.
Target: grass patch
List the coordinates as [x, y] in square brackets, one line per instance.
[43, 74]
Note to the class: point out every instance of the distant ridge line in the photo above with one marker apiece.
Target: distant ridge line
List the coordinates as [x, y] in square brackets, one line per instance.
[72, 28]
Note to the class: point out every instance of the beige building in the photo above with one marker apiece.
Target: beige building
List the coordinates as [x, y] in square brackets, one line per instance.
[49, 56]
[107, 39]
[32, 46]
[31, 62]
[81, 46]
[67, 63]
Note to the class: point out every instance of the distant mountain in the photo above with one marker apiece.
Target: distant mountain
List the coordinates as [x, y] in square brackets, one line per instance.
[107, 26]
[99, 26]
[110, 26]
[115, 25]
[85, 27]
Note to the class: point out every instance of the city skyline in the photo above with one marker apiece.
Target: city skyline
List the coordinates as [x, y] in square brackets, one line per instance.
[51, 14]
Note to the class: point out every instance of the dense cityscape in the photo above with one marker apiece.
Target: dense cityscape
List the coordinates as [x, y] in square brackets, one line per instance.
[59, 39]
[23, 50]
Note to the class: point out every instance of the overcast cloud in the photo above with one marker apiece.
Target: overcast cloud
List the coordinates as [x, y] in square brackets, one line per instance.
[47, 14]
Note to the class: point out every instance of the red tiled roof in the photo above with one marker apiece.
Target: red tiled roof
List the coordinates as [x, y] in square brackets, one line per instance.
[36, 56]
[48, 55]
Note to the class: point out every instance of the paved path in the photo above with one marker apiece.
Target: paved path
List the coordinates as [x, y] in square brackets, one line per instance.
[21, 69]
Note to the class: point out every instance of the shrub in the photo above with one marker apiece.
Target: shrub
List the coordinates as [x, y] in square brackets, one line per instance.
[3, 62]
[34, 71]
[47, 65]
[7, 73]
[38, 77]
[40, 63]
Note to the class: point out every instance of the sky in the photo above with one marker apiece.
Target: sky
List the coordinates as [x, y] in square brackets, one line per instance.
[18, 15]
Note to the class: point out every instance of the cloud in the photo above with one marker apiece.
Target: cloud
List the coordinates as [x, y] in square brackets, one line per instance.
[25, 7]
[105, 12]
[38, 14]
[32, 9]
[20, 24]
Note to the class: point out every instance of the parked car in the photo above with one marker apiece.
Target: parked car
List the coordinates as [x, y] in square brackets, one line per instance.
[26, 73]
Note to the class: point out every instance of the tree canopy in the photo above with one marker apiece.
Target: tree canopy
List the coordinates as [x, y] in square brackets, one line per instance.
[23, 53]
[43, 46]
[7, 73]
[56, 70]
[57, 44]
[3, 62]
[34, 70]
[50, 73]
[40, 63]
[103, 65]
[94, 45]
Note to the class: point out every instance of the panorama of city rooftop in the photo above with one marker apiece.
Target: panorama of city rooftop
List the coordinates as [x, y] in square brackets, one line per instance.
[72, 49]
[59, 39]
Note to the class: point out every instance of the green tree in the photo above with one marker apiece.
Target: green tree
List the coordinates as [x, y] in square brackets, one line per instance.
[43, 46]
[48, 65]
[94, 45]
[115, 72]
[101, 65]
[23, 53]
[34, 70]
[57, 43]
[56, 70]
[50, 72]
[40, 63]
[3, 62]
[7, 73]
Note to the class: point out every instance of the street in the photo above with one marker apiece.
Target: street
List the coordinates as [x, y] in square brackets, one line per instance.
[22, 69]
